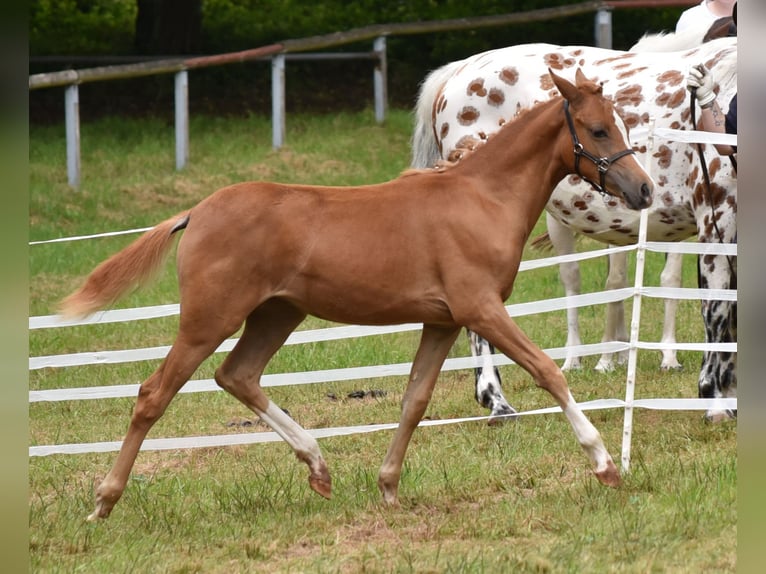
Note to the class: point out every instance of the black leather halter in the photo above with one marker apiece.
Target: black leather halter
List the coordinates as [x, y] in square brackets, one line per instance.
[602, 163]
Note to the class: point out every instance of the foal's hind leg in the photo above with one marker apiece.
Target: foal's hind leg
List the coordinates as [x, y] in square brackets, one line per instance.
[435, 343]
[265, 332]
[495, 324]
[154, 396]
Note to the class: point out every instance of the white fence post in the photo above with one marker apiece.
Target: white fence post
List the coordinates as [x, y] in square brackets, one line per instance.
[278, 100]
[630, 383]
[182, 118]
[72, 113]
[380, 78]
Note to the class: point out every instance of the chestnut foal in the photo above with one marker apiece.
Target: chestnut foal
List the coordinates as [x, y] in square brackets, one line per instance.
[439, 246]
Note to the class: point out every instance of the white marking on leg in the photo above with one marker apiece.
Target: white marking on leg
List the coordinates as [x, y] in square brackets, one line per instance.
[587, 435]
[304, 445]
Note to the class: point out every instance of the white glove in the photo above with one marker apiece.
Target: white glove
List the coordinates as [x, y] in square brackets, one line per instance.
[701, 79]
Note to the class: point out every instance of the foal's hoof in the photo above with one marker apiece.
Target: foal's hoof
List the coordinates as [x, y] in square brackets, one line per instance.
[321, 484]
[610, 476]
[102, 511]
[502, 415]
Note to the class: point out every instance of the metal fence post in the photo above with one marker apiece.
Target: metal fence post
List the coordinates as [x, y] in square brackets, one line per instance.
[182, 118]
[278, 100]
[72, 115]
[604, 28]
[380, 80]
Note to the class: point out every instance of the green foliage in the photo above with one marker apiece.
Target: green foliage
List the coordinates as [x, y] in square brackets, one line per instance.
[97, 27]
[108, 26]
[81, 26]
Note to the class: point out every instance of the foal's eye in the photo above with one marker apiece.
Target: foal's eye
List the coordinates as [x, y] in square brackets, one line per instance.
[599, 133]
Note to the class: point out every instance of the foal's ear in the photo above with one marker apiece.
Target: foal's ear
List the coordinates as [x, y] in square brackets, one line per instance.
[566, 88]
[582, 80]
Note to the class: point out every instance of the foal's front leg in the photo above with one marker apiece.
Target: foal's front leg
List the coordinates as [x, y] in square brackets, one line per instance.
[495, 324]
[435, 343]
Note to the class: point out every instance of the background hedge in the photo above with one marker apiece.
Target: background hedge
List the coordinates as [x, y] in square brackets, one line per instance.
[64, 32]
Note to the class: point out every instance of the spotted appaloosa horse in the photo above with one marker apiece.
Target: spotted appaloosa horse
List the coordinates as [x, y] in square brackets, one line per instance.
[268, 255]
[462, 103]
[562, 236]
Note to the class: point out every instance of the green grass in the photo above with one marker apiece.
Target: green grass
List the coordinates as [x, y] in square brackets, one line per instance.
[513, 498]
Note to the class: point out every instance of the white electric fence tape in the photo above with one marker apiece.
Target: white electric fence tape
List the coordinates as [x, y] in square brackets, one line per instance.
[402, 369]
[270, 436]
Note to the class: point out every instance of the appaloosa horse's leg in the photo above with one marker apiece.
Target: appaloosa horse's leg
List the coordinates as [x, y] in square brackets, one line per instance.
[718, 374]
[495, 324]
[671, 277]
[488, 392]
[435, 343]
[563, 241]
[615, 312]
[154, 396]
[615, 330]
[266, 330]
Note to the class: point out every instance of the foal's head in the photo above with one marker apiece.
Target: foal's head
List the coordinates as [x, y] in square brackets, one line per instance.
[597, 146]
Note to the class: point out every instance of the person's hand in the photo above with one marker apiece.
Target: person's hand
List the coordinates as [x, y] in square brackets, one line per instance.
[700, 79]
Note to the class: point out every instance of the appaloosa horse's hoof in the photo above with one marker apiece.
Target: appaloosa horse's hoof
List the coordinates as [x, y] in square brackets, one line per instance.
[502, 415]
[720, 416]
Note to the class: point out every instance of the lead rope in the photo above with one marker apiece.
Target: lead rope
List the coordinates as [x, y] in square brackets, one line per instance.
[706, 177]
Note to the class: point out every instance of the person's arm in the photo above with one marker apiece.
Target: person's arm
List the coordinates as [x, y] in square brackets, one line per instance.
[712, 118]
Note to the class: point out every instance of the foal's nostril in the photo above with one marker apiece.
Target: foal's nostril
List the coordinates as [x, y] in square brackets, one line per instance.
[646, 191]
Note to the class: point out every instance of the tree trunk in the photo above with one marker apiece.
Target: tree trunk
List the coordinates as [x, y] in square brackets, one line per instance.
[168, 27]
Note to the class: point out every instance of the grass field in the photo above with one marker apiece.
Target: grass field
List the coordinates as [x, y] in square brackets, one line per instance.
[518, 497]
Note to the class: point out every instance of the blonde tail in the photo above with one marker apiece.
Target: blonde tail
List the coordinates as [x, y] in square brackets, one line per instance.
[135, 265]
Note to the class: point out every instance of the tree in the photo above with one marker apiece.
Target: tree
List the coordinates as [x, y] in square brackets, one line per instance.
[165, 27]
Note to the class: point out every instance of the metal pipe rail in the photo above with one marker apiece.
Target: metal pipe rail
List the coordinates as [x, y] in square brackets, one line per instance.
[280, 53]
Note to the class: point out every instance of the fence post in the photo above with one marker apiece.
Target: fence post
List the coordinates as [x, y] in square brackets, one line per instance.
[630, 383]
[604, 28]
[380, 77]
[182, 118]
[278, 100]
[72, 115]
